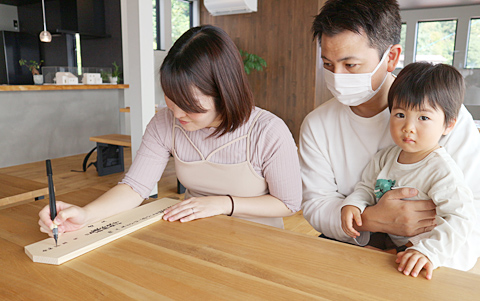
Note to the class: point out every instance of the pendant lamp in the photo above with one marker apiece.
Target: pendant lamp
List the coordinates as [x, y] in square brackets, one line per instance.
[45, 36]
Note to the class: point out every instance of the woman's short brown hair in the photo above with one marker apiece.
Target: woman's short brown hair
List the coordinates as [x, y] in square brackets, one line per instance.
[206, 58]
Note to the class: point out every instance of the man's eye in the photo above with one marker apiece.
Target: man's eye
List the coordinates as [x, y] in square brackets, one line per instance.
[351, 65]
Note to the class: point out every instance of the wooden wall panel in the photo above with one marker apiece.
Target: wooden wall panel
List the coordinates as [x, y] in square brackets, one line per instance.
[279, 32]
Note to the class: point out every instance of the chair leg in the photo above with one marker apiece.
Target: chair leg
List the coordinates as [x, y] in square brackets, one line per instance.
[180, 188]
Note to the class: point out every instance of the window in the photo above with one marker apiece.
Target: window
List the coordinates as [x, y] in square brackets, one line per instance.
[450, 35]
[473, 50]
[156, 25]
[402, 43]
[78, 51]
[436, 41]
[181, 20]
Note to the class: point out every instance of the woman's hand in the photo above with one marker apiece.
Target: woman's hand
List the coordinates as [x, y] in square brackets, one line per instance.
[69, 218]
[201, 207]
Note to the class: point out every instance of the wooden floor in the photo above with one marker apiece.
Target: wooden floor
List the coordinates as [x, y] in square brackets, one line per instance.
[67, 181]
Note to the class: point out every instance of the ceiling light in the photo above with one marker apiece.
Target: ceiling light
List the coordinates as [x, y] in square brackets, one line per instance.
[45, 36]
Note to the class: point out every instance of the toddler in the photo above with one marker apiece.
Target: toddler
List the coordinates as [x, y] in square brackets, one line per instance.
[424, 102]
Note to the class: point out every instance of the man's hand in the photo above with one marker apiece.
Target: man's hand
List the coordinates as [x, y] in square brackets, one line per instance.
[395, 215]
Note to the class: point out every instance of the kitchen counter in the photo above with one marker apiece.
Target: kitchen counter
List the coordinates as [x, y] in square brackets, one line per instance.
[47, 87]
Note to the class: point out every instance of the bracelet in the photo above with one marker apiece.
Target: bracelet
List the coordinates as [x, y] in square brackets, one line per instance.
[233, 205]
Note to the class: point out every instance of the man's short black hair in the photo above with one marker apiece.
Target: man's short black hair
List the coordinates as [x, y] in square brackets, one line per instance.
[379, 19]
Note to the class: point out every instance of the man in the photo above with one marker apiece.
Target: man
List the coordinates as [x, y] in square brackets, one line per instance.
[359, 46]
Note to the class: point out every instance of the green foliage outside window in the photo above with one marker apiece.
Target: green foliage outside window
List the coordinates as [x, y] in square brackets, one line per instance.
[155, 33]
[473, 52]
[403, 35]
[436, 38]
[180, 18]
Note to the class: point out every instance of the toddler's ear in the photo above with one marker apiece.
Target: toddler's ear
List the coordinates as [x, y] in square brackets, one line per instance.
[449, 126]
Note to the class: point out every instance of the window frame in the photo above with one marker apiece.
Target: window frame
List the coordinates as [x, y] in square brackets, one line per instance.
[468, 42]
[444, 20]
[164, 21]
[463, 15]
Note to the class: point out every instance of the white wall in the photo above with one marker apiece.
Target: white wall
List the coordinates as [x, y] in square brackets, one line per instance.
[159, 55]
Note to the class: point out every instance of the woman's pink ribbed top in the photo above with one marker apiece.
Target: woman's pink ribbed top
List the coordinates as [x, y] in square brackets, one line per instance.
[273, 154]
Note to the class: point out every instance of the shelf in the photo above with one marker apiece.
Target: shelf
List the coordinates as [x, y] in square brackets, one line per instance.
[127, 110]
[59, 87]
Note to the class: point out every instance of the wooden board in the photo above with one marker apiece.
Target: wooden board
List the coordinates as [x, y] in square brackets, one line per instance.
[74, 244]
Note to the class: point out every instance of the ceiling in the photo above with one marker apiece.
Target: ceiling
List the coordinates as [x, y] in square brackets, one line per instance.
[416, 4]
[404, 4]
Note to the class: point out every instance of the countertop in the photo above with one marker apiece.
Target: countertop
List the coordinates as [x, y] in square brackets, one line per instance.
[60, 87]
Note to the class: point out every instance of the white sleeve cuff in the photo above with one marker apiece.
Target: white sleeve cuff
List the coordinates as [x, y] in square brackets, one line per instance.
[363, 239]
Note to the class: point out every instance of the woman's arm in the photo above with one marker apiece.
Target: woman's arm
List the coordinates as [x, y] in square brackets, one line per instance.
[201, 207]
[70, 217]
[143, 175]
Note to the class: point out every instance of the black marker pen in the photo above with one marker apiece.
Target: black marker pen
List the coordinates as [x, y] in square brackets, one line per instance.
[52, 203]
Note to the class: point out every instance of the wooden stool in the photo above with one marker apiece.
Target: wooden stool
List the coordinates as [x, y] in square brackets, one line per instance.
[121, 141]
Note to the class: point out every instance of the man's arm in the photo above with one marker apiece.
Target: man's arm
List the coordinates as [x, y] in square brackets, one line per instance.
[321, 202]
[395, 215]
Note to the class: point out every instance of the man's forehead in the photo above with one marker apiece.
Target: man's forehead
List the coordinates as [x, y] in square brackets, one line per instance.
[346, 45]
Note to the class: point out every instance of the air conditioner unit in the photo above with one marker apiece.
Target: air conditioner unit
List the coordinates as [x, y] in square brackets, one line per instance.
[230, 7]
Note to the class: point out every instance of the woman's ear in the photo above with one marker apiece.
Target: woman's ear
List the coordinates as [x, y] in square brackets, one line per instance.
[449, 126]
[394, 57]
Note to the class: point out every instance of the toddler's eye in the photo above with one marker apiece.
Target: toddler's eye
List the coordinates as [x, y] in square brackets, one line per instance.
[400, 115]
[424, 118]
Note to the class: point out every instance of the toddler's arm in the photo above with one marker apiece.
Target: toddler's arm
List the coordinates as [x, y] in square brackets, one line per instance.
[349, 214]
[411, 262]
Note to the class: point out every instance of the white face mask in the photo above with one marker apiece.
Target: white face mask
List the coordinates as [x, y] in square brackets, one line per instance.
[353, 89]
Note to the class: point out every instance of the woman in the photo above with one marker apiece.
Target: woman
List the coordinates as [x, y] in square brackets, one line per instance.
[233, 158]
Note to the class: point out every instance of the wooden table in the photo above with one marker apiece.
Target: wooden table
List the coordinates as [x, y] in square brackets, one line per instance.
[219, 258]
[15, 190]
[114, 139]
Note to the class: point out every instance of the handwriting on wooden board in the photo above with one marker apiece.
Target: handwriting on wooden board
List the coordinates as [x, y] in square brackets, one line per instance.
[73, 244]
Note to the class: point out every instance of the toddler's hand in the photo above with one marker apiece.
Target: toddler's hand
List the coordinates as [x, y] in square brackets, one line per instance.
[350, 214]
[411, 262]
